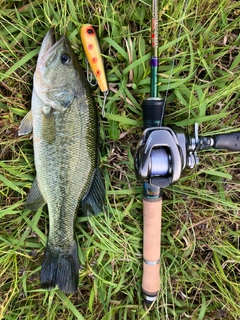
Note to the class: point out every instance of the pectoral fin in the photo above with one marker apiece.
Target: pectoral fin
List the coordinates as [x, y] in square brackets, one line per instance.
[48, 127]
[26, 124]
[93, 202]
[35, 199]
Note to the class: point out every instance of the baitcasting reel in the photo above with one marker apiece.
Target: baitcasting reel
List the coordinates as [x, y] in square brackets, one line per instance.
[164, 152]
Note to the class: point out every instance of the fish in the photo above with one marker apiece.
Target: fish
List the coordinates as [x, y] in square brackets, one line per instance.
[64, 123]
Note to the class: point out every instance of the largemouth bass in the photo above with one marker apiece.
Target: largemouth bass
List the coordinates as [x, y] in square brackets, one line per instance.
[63, 119]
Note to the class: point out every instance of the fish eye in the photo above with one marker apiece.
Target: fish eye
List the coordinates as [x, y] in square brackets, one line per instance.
[65, 58]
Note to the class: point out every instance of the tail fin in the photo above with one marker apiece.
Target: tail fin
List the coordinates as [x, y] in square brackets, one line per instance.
[60, 267]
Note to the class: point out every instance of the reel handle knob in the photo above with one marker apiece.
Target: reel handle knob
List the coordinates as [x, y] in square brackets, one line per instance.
[229, 141]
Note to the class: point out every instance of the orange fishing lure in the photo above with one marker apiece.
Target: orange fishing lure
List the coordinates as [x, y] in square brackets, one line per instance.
[92, 50]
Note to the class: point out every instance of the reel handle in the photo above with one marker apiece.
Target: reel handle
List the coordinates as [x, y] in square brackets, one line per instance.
[228, 141]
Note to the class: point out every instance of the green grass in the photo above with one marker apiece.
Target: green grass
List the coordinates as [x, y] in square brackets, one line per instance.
[200, 266]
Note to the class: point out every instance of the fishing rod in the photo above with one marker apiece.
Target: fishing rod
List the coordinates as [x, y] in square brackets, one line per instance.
[161, 156]
[153, 112]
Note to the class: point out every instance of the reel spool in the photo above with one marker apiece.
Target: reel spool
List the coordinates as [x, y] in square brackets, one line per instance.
[160, 156]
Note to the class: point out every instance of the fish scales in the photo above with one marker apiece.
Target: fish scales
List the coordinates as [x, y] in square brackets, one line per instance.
[65, 181]
[65, 136]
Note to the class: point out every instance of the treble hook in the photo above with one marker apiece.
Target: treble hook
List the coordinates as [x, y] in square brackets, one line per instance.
[105, 94]
[90, 76]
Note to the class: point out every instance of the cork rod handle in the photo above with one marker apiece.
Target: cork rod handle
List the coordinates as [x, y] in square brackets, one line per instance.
[152, 212]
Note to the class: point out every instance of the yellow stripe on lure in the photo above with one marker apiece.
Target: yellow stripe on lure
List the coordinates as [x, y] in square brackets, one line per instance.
[92, 50]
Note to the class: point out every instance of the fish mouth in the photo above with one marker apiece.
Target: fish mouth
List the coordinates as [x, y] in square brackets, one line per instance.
[49, 44]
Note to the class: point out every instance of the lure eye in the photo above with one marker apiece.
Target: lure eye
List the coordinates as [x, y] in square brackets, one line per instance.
[65, 58]
[90, 31]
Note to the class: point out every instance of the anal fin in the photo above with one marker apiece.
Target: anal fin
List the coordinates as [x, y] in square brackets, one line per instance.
[93, 202]
[35, 199]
